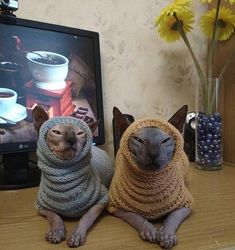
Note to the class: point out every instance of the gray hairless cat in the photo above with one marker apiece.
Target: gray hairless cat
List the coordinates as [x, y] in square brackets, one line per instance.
[150, 170]
[75, 176]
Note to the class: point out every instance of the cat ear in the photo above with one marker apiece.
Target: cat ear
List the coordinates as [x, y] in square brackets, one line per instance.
[93, 125]
[179, 118]
[120, 122]
[39, 117]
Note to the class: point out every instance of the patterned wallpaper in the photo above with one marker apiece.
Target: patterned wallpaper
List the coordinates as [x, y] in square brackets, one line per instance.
[141, 74]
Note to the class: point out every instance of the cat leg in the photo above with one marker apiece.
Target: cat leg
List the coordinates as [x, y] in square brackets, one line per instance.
[57, 232]
[147, 231]
[78, 236]
[167, 232]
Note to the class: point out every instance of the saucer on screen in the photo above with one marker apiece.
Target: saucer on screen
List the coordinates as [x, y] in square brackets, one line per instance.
[50, 85]
[16, 113]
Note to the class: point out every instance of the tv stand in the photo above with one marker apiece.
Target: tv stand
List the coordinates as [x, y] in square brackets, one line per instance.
[17, 171]
[7, 17]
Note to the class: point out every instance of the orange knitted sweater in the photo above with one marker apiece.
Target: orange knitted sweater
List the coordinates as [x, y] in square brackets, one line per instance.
[151, 193]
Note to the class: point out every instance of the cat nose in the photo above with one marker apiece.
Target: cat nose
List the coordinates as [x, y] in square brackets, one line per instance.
[153, 155]
[71, 139]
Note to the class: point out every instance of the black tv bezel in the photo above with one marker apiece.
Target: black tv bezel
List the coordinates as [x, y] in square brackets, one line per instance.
[31, 146]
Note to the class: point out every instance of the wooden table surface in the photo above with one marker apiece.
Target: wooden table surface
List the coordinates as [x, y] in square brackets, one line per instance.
[211, 226]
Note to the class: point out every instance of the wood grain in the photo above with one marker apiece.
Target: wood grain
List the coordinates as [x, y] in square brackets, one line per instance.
[227, 103]
[211, 226]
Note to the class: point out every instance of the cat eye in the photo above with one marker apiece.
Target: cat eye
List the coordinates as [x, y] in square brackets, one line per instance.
[80, 133]
[138, 139]
[166, 140]
[57, 132]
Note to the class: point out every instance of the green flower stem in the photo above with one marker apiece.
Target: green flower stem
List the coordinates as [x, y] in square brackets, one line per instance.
[213, 42]
[183, 35]
[199, 70]
[212, 94]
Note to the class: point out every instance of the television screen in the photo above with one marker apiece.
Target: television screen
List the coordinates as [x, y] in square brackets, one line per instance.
[52, 66]
[55, 67]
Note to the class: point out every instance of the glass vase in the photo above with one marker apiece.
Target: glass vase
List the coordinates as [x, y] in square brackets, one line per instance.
[208, 137]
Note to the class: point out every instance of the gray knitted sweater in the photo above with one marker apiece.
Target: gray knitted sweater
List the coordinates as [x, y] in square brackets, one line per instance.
[71, 187]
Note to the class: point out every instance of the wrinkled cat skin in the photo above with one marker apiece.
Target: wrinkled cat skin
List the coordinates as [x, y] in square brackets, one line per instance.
[152, 149]
[66, 142]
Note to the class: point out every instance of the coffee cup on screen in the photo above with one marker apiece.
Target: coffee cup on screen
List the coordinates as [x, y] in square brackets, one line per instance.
[8, 99]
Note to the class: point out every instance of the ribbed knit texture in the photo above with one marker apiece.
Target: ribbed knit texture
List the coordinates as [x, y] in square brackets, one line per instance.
[153, 193]
[71, 187]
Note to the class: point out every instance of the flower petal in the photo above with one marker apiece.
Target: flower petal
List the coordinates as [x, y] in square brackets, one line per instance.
[226, 23]
[168, 28]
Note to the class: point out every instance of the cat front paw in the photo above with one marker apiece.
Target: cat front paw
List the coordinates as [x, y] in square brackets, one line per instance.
[55, 236]
[77, 238]
[166, 237]
[148, 232]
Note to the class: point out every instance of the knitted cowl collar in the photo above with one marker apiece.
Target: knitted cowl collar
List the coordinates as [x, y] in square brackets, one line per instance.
[68, 187]
[151, 193]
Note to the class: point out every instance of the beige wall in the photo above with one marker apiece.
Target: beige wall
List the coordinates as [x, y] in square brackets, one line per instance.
[141, 74]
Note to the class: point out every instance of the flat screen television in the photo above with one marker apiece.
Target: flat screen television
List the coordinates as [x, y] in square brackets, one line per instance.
[53, 66]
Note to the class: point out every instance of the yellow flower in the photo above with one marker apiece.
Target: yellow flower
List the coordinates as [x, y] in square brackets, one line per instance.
[175, 7]
[226, 23]
[175, 21]
[168, 28]
[231, 1]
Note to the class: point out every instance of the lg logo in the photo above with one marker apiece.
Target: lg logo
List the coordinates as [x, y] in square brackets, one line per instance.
[23, 146]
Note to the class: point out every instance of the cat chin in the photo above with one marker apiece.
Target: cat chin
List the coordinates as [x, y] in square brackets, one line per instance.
[65, 155]
[151, 167]
[154, 166]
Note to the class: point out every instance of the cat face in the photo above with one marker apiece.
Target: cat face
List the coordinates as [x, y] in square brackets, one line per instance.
[151, 147]
[66, 140]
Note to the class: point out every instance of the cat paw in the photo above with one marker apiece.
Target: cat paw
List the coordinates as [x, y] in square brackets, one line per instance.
[77, 238]
[148, 232]
[166, 238]
[55, 236]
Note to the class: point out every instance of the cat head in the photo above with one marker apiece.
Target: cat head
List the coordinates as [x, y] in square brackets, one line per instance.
[150, 141]
[64, 136]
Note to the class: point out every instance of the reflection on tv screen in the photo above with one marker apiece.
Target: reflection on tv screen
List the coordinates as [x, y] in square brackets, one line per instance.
[52, 66]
